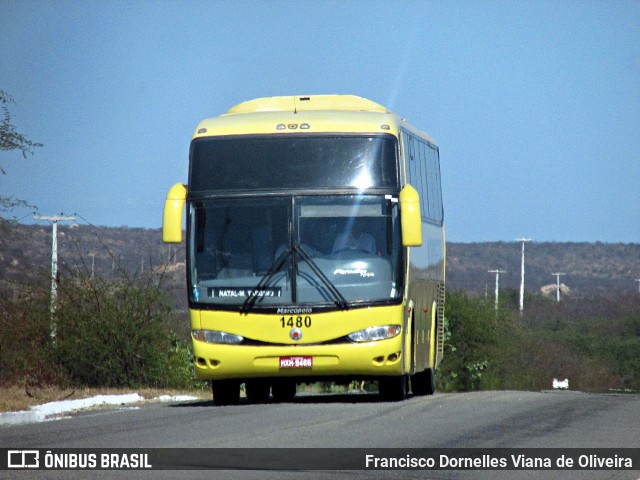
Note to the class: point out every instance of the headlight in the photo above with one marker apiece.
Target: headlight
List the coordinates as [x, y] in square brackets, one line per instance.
[214, 336]
[373, 334]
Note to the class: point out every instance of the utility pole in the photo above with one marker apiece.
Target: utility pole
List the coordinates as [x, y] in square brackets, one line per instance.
[93, 263]
[497, 272]
[523, 240]
[54, 262]
[558, 275]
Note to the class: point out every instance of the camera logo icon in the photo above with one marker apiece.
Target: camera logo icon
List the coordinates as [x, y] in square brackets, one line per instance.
[23, 459]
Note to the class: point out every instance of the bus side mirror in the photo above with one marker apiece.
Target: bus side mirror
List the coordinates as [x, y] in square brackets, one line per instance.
[411, 223]
[173, 211]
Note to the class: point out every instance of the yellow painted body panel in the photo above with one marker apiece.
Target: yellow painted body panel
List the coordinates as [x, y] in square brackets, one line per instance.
[322, 114]
[173, 213]
[299, 103]
[215, 361]
[411, 223]
[318, 122]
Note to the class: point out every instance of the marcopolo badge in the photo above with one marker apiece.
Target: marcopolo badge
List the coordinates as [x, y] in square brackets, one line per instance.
[295, 334]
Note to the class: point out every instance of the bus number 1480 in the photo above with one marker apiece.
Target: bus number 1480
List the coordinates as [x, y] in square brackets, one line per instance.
[298, 321]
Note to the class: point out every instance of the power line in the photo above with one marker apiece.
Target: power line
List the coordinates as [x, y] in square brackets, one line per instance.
[85, 220]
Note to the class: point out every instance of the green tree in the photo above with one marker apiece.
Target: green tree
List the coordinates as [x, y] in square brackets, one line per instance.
[26, 356]
[10, 139]
[471, 333]
[120, 334]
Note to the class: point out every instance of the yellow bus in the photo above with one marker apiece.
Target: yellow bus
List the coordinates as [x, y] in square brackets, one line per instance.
[315, 246]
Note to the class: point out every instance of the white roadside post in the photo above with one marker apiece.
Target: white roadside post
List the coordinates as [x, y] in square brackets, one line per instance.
[54, 262]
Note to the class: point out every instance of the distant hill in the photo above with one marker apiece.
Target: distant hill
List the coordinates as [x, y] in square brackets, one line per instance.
[590, 268]
[25, 255]
[108, 251]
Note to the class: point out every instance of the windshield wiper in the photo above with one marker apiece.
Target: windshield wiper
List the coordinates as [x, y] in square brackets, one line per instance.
[338, 298]
[265, 280]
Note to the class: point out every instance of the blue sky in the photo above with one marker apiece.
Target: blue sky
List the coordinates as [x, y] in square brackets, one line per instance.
[535, 104]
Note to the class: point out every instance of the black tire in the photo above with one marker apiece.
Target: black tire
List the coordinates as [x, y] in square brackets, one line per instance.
[225, 392]
[284, 390]
[393, 389]
[424, 383]
[257, 390]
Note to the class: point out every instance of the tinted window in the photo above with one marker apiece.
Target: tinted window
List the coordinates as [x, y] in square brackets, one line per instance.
[292, 162]
[423, 173]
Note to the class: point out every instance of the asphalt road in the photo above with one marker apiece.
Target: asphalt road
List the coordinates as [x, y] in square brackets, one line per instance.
[555, 419]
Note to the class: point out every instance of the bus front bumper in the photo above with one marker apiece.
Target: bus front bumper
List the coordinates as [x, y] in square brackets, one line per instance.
[219, 362]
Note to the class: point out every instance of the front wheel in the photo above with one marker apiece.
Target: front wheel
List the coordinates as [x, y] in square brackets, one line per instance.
[393, 388]
[225, 392]
[424, 383]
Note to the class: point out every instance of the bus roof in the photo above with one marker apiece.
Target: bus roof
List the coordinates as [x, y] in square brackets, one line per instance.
[308, 102]
[305, 114]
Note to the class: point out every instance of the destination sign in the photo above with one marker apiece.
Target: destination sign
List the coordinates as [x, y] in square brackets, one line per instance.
[244, 292]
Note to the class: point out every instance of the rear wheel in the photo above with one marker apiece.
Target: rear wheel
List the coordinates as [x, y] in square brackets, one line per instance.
[393, 388]
[283, 390]
[225, 392]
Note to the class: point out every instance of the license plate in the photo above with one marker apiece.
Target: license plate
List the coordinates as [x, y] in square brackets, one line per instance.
[296, 362]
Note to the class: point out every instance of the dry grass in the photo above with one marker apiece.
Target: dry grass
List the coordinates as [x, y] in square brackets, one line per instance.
[17, 398]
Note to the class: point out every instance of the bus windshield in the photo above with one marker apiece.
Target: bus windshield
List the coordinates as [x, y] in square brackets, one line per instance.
[266, 252]
[293, 162]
